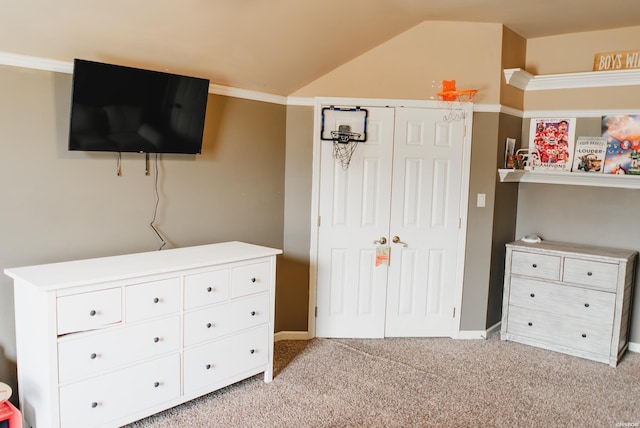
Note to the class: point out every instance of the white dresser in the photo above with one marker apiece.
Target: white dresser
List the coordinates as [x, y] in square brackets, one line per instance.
[104, 342]
[569, 298]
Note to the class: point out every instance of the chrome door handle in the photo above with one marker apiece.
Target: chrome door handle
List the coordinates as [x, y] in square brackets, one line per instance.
[396, 240]
[381, 241]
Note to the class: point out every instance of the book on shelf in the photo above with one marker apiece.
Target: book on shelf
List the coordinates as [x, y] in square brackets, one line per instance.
[622, 133]
[589, 154]
[551, 144]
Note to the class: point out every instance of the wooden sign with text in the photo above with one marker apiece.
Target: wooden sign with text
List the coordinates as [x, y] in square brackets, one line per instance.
[616, 61]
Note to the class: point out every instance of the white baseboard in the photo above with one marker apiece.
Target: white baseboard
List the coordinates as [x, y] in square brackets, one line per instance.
[291, 335]
[634, 347]
[479, 334]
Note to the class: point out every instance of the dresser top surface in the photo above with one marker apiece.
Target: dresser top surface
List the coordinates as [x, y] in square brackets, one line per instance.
[92, 271]
[575, 249]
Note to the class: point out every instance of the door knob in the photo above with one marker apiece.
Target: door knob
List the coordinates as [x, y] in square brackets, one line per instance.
[396, 240]
[381, 241]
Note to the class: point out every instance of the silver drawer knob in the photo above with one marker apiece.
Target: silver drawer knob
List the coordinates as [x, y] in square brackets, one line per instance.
[92, 312]
[94, 405]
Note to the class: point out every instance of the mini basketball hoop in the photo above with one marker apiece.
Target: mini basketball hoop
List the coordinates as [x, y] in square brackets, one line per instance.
[344, 144]
[338, 124]
[452, 99]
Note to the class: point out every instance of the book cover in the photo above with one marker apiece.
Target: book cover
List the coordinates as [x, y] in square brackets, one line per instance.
[623, 144]
[551, 144]
[589, 154]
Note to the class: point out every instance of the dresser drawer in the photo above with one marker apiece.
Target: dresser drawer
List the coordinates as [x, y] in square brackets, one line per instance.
[96, 353]
[89, 311]
[535, 265]
[225, 358]
[589, 305]
[152, 299]
[591, 273]
[206, 288]
[218, 320]
[117, 394]
[560, 330]
[250, 279]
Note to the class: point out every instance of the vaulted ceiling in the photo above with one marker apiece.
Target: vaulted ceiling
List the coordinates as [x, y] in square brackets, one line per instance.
[273, 46]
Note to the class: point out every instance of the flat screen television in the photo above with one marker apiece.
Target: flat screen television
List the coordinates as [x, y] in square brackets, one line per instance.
[123, 109]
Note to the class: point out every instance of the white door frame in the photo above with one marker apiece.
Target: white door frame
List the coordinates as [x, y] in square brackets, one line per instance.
[315, 193]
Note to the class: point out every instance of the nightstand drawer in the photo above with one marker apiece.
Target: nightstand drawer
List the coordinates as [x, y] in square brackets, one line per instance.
[152, 299]
[535, 265]
[89, 311]
[589, 305]
[591, 273]
[562, 331]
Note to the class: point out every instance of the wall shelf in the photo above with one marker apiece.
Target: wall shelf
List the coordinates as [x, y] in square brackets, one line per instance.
[526, 81]
[569, 178]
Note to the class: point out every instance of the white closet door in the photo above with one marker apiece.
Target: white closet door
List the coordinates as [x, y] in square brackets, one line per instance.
[425, 216]
[354, 206]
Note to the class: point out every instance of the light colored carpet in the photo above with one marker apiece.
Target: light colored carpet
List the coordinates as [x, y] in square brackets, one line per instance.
[420, 383]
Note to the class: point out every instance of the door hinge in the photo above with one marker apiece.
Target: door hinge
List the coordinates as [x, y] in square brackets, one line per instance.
[316, 312]
[318, 221]
[459, 223]
[454, 312]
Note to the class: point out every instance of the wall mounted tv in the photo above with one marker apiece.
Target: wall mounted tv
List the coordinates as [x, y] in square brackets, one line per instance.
[123, 109]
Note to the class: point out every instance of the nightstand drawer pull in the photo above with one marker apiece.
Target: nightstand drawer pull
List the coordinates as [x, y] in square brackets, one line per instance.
[93, 356]
[586, 305]
[534, 265]
[156, 384]
[92, 313]
[209, 325]
[156, 300]
[156, 339]
[533, 295]
[94, 405]
[253, 279]
[530, 324]
[584, 335]
[589, 273]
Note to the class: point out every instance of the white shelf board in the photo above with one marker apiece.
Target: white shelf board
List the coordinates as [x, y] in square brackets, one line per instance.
[526, 81]
[569, 178]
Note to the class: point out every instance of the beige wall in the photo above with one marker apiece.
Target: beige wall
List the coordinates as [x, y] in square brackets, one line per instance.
[572, 53]
[59, 205]
[407, 66]
[292, 298]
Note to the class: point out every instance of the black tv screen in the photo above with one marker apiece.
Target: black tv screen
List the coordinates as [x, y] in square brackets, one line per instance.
[123, 109]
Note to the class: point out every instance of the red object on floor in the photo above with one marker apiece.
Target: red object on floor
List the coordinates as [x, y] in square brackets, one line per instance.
[10, 414]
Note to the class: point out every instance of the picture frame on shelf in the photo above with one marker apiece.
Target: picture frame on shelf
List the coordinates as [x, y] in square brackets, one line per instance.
[589, 155]
[622, 133]
[551, 144]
